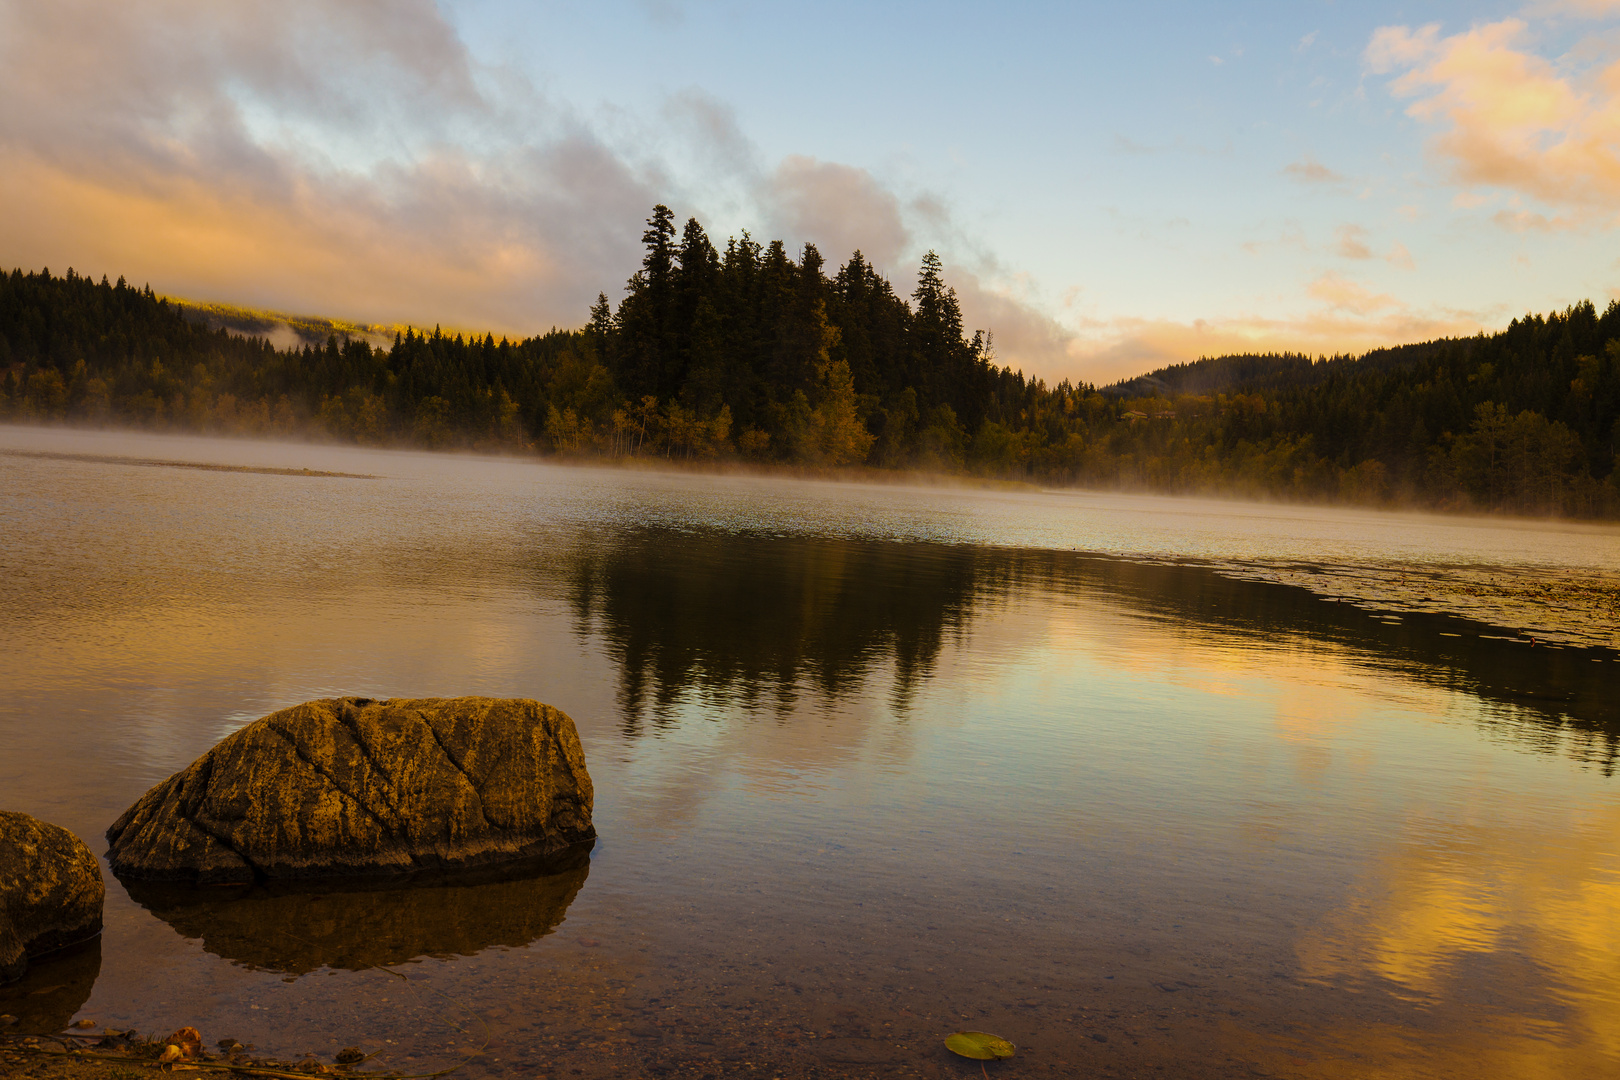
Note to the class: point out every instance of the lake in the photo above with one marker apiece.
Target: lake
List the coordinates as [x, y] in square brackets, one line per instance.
[1151, 787]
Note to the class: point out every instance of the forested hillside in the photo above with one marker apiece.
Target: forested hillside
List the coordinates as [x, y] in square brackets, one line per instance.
[746, 354]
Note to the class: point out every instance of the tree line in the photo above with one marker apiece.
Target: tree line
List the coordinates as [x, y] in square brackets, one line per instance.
[744, 353]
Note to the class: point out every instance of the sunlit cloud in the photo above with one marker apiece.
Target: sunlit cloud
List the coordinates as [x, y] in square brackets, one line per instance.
[1353, 242]
[1308, 170]
[335, 158]
[1507, 117]
[1341, 294]
[1530, 221]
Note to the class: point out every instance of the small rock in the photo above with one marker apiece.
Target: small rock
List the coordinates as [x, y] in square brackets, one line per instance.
[6, 1019]
[171, 1053]
[350, 1055]
[83, 1024]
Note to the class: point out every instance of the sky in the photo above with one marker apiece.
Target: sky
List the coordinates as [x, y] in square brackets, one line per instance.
[1112, 187]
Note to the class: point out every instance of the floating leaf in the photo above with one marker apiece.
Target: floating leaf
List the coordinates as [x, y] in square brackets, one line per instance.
[979, 1045]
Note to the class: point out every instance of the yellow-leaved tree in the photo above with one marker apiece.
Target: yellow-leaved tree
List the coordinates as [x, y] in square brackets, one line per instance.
[829, 431]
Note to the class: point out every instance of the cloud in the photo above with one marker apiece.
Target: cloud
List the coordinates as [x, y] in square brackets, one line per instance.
[1529, 221]
[1507, 117]
[838, 207]
[1341, 294]
[1124, 144]
[1307, 170]
[343, 158]
[1025, 336]
[1353, 242]
[1399, 256]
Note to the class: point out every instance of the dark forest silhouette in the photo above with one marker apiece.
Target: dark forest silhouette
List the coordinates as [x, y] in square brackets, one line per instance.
[744, 354]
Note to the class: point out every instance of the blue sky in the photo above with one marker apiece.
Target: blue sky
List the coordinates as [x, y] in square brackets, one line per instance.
[1112, 187]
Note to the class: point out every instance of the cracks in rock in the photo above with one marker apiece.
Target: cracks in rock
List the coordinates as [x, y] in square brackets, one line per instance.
[189, 815]
[393, 831]
[451, 758]
[348, 721]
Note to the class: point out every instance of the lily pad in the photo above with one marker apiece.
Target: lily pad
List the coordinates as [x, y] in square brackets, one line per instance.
[979, 1045]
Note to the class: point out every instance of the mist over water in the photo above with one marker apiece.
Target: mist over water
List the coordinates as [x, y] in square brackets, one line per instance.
[1135, 782]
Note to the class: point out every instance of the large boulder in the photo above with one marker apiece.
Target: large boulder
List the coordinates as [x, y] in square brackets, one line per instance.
[51, 891]
[353, 786]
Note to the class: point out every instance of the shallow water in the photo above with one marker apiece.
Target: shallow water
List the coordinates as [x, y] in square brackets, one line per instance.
[1123, 779]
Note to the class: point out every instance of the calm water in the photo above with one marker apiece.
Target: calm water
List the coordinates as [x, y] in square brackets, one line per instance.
[871, 764]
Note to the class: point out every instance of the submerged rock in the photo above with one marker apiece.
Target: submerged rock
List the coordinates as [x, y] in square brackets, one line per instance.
[51, 891]
[353, 786]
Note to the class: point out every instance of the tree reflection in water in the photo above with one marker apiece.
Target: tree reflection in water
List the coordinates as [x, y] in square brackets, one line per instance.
[749, 620]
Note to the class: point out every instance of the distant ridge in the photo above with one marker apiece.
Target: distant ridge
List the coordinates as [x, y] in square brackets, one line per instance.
[285, 330]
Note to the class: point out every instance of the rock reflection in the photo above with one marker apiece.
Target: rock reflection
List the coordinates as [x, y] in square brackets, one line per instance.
[753, 619]
[53, 989]
[355, 926]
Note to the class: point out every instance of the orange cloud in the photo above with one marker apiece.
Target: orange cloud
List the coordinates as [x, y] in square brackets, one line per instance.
[1310, 171]
[1510, 119]
[1353, 242]
[326, 253]
[1344, 295]
[332, 158]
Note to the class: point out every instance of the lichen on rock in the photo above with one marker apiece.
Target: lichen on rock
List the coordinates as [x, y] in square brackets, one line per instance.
[356, 786]
[51, 892]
